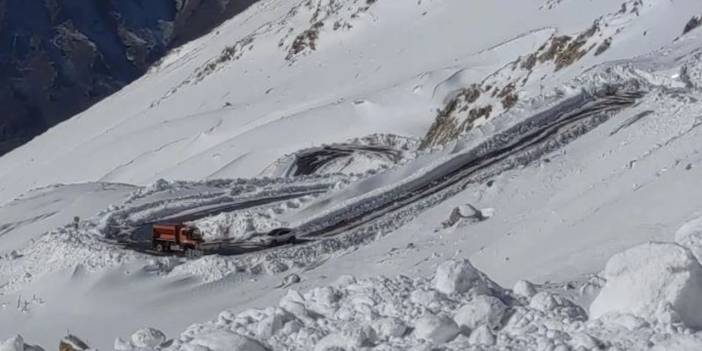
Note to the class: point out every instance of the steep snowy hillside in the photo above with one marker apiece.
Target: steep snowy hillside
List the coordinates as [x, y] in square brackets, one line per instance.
[456, 147]
[59, 57]
[379, 67]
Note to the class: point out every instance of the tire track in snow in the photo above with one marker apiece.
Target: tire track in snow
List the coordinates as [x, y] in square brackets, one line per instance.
[539, 130]
[360, 222]
[116, 170]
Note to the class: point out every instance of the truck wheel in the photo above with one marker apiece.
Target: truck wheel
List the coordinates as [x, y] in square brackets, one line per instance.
[189, 252]
[159, 247]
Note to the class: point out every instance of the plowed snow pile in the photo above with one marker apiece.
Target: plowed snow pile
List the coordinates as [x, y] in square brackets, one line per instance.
[241, 225]
[650, 298]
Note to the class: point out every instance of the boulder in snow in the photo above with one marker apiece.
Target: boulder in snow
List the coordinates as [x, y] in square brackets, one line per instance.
[482, 336]
[272, 323]
[555, 304]
[436, 329]
[467, 211]
[223, 340]
[73, 343]
[459, 276]
[353, 337]
[389, 327]
[323, 301]
[148, 338]
[424, 297]
[15, 343]
[294, 303]
[289, 280]
[653, 281]
[690, 236]
[482, 310]
[691, 72]
[524, 288]
[122, 345]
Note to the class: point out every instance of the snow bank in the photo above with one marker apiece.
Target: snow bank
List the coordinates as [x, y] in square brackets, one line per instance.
[460, 308]
[358, 156]
[690, 236]
[351, 314]
[655, 281]
[240, 225]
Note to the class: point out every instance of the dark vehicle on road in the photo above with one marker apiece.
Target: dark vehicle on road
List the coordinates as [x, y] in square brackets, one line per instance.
[277, 236]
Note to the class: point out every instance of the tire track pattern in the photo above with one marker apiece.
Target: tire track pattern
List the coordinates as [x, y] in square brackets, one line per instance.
[516, 146]
[519, 145]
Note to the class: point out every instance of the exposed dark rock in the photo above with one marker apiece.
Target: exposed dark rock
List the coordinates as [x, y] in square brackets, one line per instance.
[604, 45]
[694, 22]
[59, 57]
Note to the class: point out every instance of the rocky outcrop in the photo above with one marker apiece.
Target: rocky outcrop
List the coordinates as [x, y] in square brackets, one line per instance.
[59, 57]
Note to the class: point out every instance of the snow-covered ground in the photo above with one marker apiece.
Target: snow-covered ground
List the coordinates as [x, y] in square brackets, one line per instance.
[546, 141]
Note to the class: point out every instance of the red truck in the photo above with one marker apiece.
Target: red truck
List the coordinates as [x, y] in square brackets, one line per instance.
[177, 237]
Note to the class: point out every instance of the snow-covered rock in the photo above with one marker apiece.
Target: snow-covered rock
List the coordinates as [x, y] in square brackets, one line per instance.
[692, 72]
[122, 345]
[223, 340]
[389, 327]
[273, 322]
[459, 276]
[683, 343]
[297, 309]
[555, 304]
[524, 289]
[15, 343]
[425, 297]
[482, 336]
[543, 301]
[482, 310]
[409, 314]
[148, 338]
[653, 281]
[469, 212]
[351, 338]
[73, 343]
[290, 279]
[436, 329]
[690, 236]
[323, 301]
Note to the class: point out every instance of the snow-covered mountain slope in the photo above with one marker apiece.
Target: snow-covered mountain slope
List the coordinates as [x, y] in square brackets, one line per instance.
[308, 115]
[58, 58]
[383, 66]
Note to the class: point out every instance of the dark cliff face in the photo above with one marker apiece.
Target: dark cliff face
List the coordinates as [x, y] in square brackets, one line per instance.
[58, 57]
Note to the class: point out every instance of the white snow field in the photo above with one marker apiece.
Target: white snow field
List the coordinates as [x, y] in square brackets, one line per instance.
[509, 175]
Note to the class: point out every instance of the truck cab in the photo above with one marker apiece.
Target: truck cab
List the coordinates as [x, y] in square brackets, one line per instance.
[176, 237]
